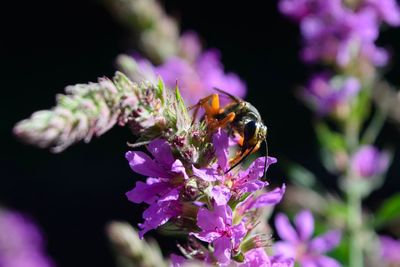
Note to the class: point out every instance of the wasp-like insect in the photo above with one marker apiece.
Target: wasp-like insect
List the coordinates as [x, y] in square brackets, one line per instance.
[238, 116]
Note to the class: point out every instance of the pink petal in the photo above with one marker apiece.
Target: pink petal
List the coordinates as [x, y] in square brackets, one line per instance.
[304, 222]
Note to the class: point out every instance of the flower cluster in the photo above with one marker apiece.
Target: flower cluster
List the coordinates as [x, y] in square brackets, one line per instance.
[203, 200]
[21, 243]
[337, 31]
[343, 35]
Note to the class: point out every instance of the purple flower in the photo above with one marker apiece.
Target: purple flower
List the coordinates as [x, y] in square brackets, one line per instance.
[217, 228]
[335, 33]
[245, 181]
[297, 243]
[327, 94]
[197, 80]
[368, 162]
[390, 250]
[21, 243]
[162, 188]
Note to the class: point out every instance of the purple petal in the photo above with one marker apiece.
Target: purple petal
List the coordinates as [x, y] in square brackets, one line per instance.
[171, 195]
[285, 229]
[326, 242]
[221, 145]
[281, 261]
[143, 164]
[158, 214]
[269, 198]
[222, 250]
[309, 262]
[161, 151]
[304, 222]
[178, 167]
[220, 194]
[177, 261]
[285, 248]
[255, 258]
[225, 212]
[207, 174]
[209, 220]
[327, 262]
[147, 193]
[256, 169]
[239, 231]
[207, 236]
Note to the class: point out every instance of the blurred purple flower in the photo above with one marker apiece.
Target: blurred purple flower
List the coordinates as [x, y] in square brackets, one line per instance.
[21, 243]
[197, 80]
[326, 94]
[388, 10]
[368, 162]
[265, 199]
[190, 46]
[161, 192]
[259, 258]
[217, 228]
[390, 249]
[297, 243]
[335, 33]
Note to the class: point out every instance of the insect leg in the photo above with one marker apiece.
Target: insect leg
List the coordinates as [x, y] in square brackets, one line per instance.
[224, 122]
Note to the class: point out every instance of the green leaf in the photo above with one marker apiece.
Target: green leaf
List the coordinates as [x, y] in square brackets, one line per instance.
[300, 175]
[160, 90]
[183, 111]
[362, 106]
[329, 139]
[388, 211]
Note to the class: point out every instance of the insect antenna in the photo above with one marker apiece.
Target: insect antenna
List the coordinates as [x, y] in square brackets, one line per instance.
[241, 160]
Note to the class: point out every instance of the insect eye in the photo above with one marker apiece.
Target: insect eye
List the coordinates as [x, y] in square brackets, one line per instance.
[250, 130]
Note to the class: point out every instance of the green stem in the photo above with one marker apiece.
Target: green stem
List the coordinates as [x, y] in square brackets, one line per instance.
[375, 126]
[355, 228]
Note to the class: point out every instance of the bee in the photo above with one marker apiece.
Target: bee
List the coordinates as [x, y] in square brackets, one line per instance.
[238, 116]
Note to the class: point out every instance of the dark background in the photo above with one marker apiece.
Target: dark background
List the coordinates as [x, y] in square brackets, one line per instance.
[51, 44]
